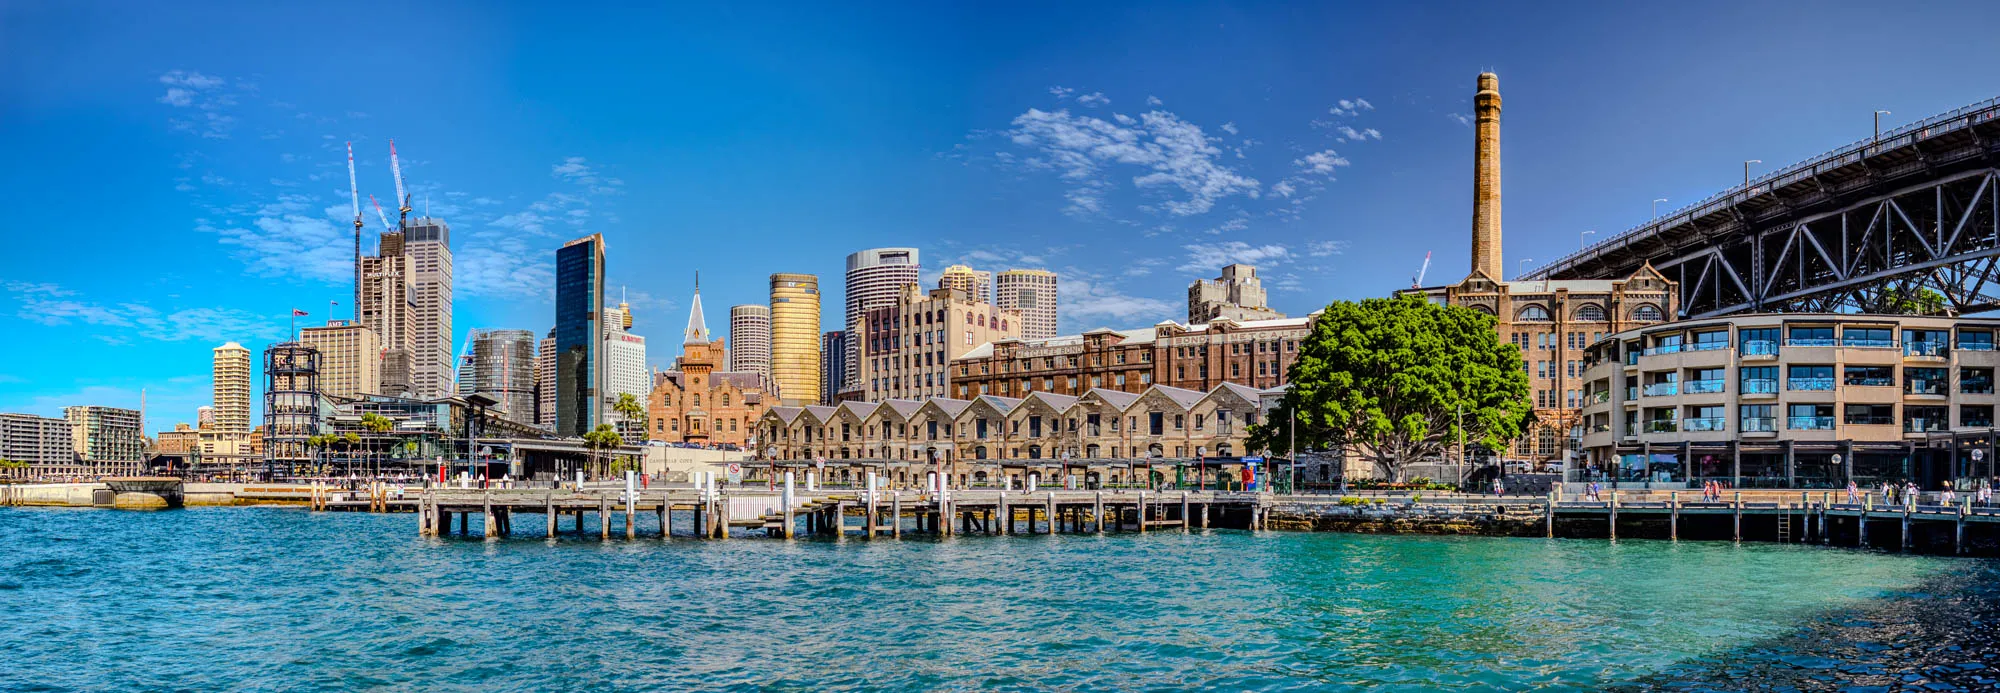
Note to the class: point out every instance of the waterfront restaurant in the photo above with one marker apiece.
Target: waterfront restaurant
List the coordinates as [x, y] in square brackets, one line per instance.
[1807, 401]
[1102, 439]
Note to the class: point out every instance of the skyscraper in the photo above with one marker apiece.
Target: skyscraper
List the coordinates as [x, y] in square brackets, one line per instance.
[624, 368]
[795, 337]
[501, 363]
[427, 245]
[232, 388]
[1033, 293]
[545, 382]
[579, 335]
[832, 363]
[975, 284]
[107, 439]
[875, 278]
[350, 358]
[386, 302]
[750, 340]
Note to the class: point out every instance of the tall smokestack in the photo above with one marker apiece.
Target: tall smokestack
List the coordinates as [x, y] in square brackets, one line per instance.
[1486, 178]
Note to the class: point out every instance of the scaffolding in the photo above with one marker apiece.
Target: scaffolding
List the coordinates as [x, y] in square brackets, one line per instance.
[291, 406]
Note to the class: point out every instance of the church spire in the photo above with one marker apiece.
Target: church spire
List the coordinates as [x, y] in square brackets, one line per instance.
[697, 330]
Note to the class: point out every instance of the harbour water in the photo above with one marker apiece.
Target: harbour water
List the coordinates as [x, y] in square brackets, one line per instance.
[280, 599]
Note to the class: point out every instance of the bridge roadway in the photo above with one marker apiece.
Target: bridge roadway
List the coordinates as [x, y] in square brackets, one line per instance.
[1914, 208]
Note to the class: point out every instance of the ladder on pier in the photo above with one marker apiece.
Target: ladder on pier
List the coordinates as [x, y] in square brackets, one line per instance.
[1784, 525]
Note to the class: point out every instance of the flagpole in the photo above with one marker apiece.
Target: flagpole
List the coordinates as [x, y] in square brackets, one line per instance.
[295, 324]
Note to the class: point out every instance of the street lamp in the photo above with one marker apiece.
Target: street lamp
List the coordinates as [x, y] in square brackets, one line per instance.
[1580, 240]
[1520, 267]
[1746, 170]
[1878, 124]
[1656, 206]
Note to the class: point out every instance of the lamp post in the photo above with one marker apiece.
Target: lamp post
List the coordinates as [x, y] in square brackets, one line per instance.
[1521, 267]
[1581, 241]
[1746, 170]
[1656, 206]
[1878, 124]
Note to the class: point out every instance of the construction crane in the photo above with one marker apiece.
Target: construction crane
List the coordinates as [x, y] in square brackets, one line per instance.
[464, 376]
[354, 195]
[403, 198]
[380, 213]
[1418, 281]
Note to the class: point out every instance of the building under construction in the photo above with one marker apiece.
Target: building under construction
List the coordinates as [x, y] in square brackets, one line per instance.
[292, 405]
[501, 364]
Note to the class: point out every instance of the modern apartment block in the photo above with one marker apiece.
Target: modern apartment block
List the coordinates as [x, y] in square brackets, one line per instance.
[1031, 292]
[795, 337]
[907, 348]
[875, 279]
[833, 350]
[545, 382]
[232, 388]
[1792, 401]
[107, 440]
[1237, 295]
[427, 244]
[350, 357]
[501, 363]
[750, 340]
[625, 366]
[46, 445]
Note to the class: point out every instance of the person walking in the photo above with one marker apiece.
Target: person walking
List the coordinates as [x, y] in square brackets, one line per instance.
[1949, 497]
[1851, 491]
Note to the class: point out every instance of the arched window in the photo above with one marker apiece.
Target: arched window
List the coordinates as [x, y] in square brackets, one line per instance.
[1646, 313]
[1590, 312]
[1483, 309]
[1532, 313]
[725, 399]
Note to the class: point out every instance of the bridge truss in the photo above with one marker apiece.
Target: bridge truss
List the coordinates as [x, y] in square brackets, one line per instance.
[1941, 235]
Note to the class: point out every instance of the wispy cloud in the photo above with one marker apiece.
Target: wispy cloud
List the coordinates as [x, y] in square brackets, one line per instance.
[53, 305]
[1350, 107]
[1208, 257]
[1088, 302]
[205, 97]
[1094, 99]
[1325, 248]
[1320, 163]
[1174, 159]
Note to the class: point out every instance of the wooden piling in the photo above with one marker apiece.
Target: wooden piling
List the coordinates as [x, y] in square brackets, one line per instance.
[1674, 519]
[1549, 514]
[492, 526]
[1184, 512]
[1097, 513]
[1141, 507]
[1906, 526]
[1613, 515]
[896, 514]
[1204, 515]
[1003, 514]
[631, 515]
[1049, 510]
[604, 518]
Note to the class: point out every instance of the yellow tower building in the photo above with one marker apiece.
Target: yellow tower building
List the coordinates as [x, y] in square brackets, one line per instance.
[795, 337]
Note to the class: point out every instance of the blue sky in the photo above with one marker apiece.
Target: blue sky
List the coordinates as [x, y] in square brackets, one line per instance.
[177, 173]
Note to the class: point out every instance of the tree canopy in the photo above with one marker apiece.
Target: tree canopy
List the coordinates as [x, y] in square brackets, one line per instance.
[1388, 378]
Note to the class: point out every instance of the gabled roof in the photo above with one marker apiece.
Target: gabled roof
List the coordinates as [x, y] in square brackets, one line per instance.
[785, 414]
[859, 410]
[820, 413]
[1116, 398]
[1249, 395]
[1181, 396]
[903, 408]
[1052, 400]
[1004, 404]
[951, 408]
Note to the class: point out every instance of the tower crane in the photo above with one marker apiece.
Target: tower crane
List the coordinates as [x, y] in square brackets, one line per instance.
[354, 196]
[1418, 281]
[402, 197]
[380, 213]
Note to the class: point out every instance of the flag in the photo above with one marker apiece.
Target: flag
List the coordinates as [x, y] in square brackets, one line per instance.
[297, 313]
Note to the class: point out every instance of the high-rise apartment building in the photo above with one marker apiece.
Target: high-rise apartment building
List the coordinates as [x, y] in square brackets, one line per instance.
[875, 278]
[906, 348]
[232, 388]
[750, 340]
[107, 440]
[46, 445]
[545, 382]
[832, 363]
[387, 298]
[579, 335]
[795, 337]
[1033, 293]
[350, 358]
[1238, 295]
[501, 364]
[624, 369]
[977, 284]
[427, 244]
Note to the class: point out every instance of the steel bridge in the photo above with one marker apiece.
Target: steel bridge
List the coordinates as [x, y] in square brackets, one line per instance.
[1854, 230]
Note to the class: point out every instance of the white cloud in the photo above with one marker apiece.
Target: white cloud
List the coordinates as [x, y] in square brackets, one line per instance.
[1094, 99]
[1229, 127]
[1325, 248]
[1348, 134]
[1154, 101]
[1284, 188]
[191, 80]
[1464, 119]
[1321, 163]
[1086, 302]
[1207, 257]
[1061, 92]
[205, 96]
[1350, 107]
[52, 305]
[1172, 154]
[282, 242]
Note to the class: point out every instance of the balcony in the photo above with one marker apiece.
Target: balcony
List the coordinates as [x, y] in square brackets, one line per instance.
[1976, 386]
[1664, 349]
[1760, 386]
[1760, 349]
[1974, 346]
[1860, 343]
[1809, 423]
[1858, 381]
[1705, 387]
[1924, 387]
[1631, 393]
[1663, 389]
[1926, 424]
[1662, 426]
[1811, 342]
[1870, 420]
[1759, 424]
[1926, 351]
[1707, 346]
[1600, 397]
[1809, 384]
[1600, 428]
[1705, 424]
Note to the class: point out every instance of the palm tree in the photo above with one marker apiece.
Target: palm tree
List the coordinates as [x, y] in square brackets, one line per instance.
[376, 424]
[629, 407]
[604, 437]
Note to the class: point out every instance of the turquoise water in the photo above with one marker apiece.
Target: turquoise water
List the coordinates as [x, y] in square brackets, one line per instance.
[277, 598]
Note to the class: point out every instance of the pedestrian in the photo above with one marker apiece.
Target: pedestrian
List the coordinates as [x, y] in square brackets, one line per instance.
[1499, 487]
[1851, 490]
[1911, 495]
[1949, 497]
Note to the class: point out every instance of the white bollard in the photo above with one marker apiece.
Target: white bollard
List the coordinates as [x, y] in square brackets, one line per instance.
[871, 488]
[787, 499]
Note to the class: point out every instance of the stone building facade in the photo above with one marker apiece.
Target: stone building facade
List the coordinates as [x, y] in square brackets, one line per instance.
[698, 403]
[906, 348]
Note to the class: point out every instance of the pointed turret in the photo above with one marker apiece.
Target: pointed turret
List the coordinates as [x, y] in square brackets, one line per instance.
[697, 330]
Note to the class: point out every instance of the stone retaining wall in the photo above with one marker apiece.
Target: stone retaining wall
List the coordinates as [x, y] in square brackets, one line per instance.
[1403, 517]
